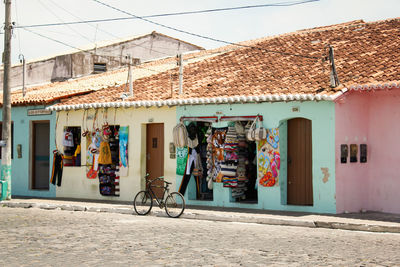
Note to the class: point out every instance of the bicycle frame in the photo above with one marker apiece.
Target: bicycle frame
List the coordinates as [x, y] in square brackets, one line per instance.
[160, 202]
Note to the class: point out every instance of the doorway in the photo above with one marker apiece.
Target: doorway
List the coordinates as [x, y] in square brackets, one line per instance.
[299, 162]
[155, 155]
[40, 155]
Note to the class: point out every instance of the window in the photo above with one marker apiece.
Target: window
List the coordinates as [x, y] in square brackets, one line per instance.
[12, 138]
[99, 67]
[72, 146]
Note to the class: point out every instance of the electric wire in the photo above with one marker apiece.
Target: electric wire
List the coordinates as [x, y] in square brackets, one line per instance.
[68, 26]
[211, 38]
[73, 47]
[72, 14]
[60, 7]
[283, 4]
[54, 40]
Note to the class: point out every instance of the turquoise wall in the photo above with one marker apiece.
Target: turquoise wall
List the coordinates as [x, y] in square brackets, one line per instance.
[322, 115]
[20, 176]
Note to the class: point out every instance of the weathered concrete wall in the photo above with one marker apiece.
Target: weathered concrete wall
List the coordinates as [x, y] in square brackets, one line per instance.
[59, 68]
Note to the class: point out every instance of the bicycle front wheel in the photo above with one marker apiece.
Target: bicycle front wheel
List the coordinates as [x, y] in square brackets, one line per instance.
[174, 204]
[142, 203]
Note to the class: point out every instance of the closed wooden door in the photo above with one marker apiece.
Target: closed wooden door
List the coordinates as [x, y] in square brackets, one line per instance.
[299, 187]
[40, 155]
[155, 154]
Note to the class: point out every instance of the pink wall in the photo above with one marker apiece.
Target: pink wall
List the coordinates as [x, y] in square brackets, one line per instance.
[373, 118]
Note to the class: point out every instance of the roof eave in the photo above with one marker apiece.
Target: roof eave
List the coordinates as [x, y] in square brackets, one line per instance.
[201, 101]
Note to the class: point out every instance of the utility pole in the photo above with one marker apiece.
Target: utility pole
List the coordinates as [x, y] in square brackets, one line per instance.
[6, 131]
[130, 75]
[180, 63]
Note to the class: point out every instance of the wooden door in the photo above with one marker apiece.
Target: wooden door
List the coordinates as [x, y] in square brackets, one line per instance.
[40, 155]
[155, 154]
[299, 187]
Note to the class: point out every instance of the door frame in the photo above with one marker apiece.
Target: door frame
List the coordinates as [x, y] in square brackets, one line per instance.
[32, 146]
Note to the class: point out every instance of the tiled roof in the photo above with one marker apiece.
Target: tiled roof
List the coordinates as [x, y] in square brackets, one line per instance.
[284, 67]
[50, 92]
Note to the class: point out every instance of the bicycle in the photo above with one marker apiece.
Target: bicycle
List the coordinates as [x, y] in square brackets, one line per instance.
[174, 203]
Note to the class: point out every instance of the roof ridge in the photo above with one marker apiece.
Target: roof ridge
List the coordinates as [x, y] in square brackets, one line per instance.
[353, 23]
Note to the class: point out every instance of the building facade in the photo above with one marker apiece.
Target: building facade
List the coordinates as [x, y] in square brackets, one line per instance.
[98, 58]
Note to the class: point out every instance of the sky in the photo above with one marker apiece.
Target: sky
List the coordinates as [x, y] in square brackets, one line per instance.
[231, 26]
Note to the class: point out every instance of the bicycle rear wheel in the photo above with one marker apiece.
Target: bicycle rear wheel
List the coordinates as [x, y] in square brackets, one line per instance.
[175, 204]
[142, 203]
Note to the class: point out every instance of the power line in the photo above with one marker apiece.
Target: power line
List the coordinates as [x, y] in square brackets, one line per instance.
[211, 38]
[72, 29]
[90, 41]
[60, 42]
[72, 14]
[71, 46]
[54, 40]
[283, 4]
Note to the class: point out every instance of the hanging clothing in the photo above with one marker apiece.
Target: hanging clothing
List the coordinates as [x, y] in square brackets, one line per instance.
[180, 135]
[68, 139]
[185, 182]
[192, 160]
[190, 165]
[123, 145]
[105, 153]
[56, 173]
[181, 159]
[193, 143]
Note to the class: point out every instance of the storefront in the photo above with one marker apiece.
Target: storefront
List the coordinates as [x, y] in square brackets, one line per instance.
[290, 165]
[107, 152]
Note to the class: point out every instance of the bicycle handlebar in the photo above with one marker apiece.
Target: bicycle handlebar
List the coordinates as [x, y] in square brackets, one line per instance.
[158, 178]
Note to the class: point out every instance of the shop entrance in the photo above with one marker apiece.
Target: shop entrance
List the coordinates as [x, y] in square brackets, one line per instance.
[40, 154]
[299, 187]
[155, 154]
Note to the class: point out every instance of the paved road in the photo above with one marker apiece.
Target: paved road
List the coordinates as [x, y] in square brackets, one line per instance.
[36, 237]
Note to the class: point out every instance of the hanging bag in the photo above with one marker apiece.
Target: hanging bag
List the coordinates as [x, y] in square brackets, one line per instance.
[239, 128]
[251, 132]
[260, 133]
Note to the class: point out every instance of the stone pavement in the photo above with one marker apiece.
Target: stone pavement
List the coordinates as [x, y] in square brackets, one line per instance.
[38, 237]
[366, 221]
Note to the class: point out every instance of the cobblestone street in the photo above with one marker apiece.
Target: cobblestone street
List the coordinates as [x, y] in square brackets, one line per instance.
[36, 237]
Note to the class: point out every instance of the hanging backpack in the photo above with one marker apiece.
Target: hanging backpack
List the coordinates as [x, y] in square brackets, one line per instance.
[180, 135]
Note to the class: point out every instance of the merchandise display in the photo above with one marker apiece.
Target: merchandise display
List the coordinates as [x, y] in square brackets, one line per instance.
[72, 150]
[108, 161]
[220, 155]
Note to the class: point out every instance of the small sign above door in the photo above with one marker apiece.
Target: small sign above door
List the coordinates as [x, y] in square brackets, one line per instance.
[36, 112]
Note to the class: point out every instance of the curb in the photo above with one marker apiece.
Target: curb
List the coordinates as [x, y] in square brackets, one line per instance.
[220, 217]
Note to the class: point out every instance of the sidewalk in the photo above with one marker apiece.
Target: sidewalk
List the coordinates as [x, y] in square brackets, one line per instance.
[368, 221]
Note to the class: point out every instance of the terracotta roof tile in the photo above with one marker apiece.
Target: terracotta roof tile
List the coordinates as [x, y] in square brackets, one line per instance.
[48, 93]
[365, 53]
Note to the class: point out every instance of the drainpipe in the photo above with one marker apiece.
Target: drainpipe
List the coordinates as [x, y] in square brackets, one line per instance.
[180, 63]
[333, 76]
